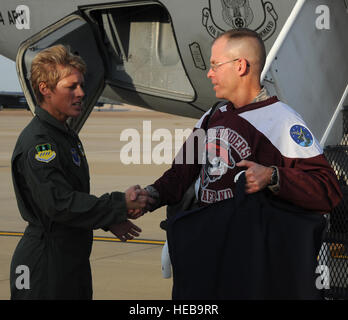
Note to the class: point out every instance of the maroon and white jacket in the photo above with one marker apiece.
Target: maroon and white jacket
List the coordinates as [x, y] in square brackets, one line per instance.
[267, 132]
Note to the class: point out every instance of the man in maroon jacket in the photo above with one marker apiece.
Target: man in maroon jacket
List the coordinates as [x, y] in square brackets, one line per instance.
[255, 249]
[252, 132]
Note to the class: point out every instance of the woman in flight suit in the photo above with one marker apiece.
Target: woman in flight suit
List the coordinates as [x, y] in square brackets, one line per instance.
[51, 182]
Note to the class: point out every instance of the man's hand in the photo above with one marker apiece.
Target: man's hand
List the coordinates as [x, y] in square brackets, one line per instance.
[137, 201]
[125, 230]
[257, 176]
[135, 213]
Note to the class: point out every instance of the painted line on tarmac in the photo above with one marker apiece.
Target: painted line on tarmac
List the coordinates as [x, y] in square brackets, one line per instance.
[96, 238]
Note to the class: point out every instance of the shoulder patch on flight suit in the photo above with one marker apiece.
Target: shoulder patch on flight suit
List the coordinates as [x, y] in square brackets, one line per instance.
[44, 153]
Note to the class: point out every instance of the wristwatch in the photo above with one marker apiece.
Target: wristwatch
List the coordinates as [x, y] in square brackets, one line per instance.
[274, 184]
[274, 176]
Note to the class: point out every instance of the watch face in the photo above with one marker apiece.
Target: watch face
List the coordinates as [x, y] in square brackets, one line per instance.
[274, 177]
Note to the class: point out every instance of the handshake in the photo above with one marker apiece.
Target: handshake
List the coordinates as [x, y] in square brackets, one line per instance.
[138, 202]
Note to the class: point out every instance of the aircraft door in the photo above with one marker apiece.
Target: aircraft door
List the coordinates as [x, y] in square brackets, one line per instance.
[75, 32]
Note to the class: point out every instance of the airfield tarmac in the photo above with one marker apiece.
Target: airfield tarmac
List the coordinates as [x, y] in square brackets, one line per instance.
[120, 271]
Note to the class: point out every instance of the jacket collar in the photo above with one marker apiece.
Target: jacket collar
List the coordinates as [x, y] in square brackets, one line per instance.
[45, 116]
[262, 96]
[254, 105]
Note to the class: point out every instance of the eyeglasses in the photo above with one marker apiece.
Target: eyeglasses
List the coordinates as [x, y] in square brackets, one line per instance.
[215, 66]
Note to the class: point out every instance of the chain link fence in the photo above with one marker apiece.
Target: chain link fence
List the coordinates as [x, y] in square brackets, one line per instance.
[333, 255]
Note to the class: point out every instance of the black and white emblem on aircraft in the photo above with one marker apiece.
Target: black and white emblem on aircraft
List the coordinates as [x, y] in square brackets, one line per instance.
[223, 15]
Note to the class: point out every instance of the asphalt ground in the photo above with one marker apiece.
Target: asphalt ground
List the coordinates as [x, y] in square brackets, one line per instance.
[121, 271]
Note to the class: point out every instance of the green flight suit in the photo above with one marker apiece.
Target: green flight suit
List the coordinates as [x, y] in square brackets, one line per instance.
[51, 181]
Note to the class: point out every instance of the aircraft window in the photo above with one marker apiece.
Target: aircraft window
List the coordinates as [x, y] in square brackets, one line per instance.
[142, 51]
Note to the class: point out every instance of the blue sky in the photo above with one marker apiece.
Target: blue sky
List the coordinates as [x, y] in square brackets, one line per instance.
[8, 75]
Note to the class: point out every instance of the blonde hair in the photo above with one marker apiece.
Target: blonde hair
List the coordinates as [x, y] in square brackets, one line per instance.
[52, 64]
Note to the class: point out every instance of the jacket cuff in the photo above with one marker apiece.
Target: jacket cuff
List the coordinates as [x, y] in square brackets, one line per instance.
[155, 195]
[119, 208]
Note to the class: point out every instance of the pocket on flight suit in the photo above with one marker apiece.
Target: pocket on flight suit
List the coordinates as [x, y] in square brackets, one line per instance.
[29, 258]
[68, 263]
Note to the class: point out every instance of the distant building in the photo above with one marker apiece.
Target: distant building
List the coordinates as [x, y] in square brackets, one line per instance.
[13, 99]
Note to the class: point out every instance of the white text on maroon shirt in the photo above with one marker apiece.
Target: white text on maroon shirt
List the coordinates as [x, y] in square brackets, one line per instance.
[211, 196]
[234, 139]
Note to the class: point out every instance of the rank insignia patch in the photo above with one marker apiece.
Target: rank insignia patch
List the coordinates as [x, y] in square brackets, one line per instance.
[81, 149]
[44, 153]
[75, 156]
[301, 135]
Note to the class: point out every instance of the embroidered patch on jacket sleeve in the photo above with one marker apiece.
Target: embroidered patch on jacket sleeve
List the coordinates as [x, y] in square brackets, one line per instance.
[44, 153]
[301, 135]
